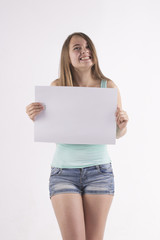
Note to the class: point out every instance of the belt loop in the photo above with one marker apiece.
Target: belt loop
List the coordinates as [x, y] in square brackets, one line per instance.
[97, 166]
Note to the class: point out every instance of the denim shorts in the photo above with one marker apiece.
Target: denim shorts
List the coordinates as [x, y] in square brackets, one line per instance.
[97, 179]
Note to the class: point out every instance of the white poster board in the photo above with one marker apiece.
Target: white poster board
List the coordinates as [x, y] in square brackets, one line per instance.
[76, 115]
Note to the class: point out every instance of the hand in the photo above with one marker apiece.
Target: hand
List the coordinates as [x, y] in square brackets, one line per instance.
[121, 118]
[34, 109]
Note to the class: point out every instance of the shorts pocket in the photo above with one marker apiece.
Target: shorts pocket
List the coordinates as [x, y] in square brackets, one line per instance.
[55, 171]
[106, 168]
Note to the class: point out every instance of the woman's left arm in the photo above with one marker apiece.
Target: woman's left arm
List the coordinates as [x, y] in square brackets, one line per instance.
[121, 115]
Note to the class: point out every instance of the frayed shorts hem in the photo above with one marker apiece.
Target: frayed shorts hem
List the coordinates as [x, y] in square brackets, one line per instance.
[89, 192]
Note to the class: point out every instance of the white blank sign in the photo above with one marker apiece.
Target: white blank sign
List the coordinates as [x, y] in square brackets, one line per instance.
[76, 115]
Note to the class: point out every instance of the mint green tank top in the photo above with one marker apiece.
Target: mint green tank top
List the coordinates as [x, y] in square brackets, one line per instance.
[81, 155]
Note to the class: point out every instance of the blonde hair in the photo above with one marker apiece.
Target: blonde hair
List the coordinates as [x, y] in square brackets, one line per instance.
[65, 75]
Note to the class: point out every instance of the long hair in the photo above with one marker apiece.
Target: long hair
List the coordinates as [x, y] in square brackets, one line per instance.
[65, 74]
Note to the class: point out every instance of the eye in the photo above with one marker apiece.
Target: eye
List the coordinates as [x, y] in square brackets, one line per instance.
[76, 48]
[79, 47]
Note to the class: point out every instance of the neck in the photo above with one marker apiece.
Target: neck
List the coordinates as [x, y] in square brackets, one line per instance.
[83, 79]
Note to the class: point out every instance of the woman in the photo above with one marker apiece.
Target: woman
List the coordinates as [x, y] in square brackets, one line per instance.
[81, 182]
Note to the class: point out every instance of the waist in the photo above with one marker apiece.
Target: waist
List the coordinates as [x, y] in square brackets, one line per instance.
[80, 155]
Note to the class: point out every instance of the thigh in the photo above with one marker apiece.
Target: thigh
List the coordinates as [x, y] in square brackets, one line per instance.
[96, 209]
[68, 209]
[97, 198]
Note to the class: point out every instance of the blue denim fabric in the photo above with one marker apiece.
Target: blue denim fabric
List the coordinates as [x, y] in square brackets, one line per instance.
[97, 179]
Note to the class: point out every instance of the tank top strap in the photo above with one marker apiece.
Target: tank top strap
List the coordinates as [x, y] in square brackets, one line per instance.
[103, 83]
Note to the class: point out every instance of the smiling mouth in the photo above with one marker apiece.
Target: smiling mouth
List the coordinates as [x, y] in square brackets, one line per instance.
[85, 58]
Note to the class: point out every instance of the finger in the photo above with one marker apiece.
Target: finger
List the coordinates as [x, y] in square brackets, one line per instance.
[35, 104]
[31, 111]
[122, 111]
[32, 118]
[121, 118]
[35, 111]
[123, 115]
[119, 115]
[33, 115]
[32, 108]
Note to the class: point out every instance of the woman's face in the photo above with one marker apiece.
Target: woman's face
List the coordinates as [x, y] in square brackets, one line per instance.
[78, 49]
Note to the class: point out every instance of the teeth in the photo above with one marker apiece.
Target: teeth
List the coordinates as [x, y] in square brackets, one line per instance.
[85, 58]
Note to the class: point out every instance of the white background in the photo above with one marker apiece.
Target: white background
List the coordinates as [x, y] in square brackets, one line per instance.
[126, 36]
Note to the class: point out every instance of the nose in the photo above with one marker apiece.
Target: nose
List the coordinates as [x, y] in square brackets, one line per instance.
[84, 50]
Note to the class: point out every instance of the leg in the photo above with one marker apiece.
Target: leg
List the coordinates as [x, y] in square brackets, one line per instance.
[68, 208]
[96, 209]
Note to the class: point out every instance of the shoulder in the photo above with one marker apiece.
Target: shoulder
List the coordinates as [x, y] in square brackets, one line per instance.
[111, 84]
[55, 83]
